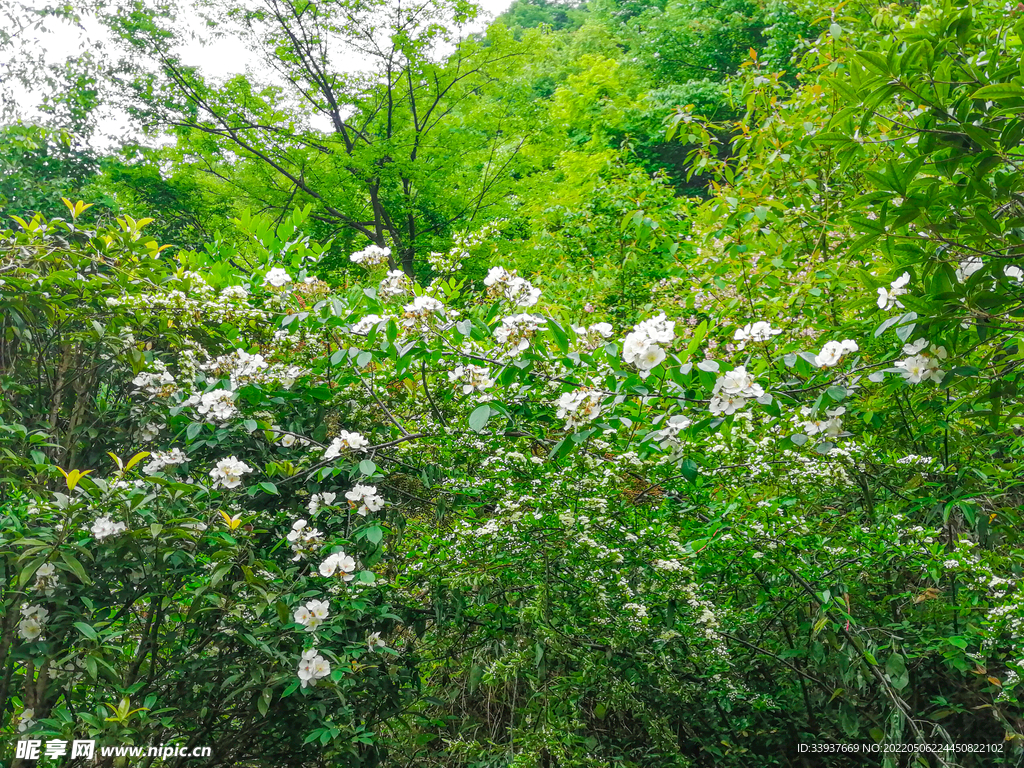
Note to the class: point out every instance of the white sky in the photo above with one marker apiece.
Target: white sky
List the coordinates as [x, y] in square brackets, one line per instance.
[226, 58]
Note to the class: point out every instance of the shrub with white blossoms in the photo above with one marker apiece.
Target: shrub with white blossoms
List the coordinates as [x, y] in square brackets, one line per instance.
[339, 563]
[579, 407]
[643, 347]
[833, 352]
[105, 526]
[364, 499]
[277, 277]
[345, 441]
[371, 256]
[227, 473]
[888, 297]
[517, 291]
[313, 667]
[312, 614]
[473, 378]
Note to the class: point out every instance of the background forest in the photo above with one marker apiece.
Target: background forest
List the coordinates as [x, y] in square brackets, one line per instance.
[610, 384]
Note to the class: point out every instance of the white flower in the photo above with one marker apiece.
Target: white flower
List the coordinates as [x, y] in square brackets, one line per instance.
[474, 378]
[374, 641]
[725, 405]
[758, 331]
[516, 331]
[313, 667]
[834, 351]
[1016, 274]
[595, 335]
[579, 407]
[518, 291]
[340, 563]
[371, 256]
[641, 347]
[26, 719]
[368, 323]
[364, 499]
[352, 441]
[104, 527]
[218, 404]
[738, 382]
[234, 292]
[160, 459]
[887, 297]
[421, 310]
[32, 622]
[668, 436]
[967, 268]
[913, 347]
[277, 277]
[46, 579]
[312, 614]
[151, 431]
[397, 283]
[228, 472]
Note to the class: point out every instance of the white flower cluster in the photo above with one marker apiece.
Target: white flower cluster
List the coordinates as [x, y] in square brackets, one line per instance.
[593, 336]
[151, 431]
[33, 620]
[757, 331]
[277, 277]
[339, 563]
[732, 390]
[368, 323]
[887, 297]
[831, 425]
[244, 368]
[668, 436]
[579, 407]
[642, 347]
[188, 312]
[474, 378]
[351, 441]
[395, 284]
[312, 614]
[320, 499]
[833, 352]
[304, 539]
[421, 311]
[105, 526]
[920, 366]
[217, 404]
[313, 667]
[371, 256]
[516, 331]
[364, 499]
[158, 382]
[46, 580]
[517, 291]
[227, 473]
[160, 459]
[234, 292]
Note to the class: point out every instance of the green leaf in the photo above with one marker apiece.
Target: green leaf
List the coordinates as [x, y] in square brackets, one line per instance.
[86, 629]
[478, 418]
[269, 487]
[999, 91]
[367, 467]
[193, 429]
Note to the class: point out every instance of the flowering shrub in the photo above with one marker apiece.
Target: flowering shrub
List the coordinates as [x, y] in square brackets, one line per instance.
[455, 525]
